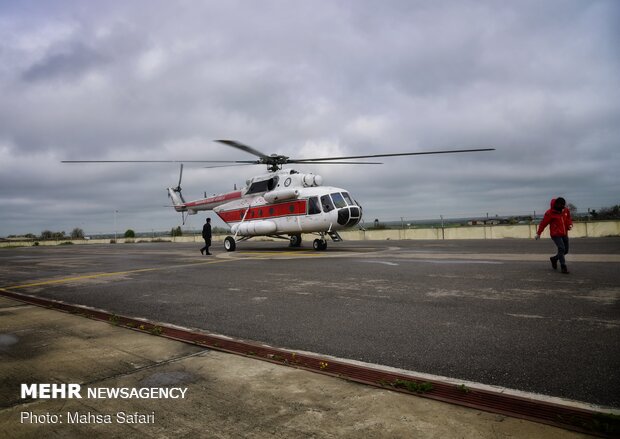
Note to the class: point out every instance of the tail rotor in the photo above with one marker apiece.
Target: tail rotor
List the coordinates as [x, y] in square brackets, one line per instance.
[178, 188]
[174, 193]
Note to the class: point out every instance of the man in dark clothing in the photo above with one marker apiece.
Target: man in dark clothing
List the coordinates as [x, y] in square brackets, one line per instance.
[559, 221]
[206, 235]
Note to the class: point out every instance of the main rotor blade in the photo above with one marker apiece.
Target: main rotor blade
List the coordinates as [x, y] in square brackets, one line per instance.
[305, 162]
[253, 162]
[243, 147]
[232, 165]
[301, 163]
[180, 177]
[391, 155]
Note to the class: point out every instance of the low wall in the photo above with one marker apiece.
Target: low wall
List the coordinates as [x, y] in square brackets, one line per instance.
[519, 231]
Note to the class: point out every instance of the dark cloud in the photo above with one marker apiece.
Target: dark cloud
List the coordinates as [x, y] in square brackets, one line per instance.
[68, 65]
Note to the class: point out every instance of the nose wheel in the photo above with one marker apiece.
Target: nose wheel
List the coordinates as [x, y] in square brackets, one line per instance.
[319, 244]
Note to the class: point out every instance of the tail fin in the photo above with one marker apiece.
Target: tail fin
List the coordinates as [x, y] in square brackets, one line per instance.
[177, 199]
[175, 194]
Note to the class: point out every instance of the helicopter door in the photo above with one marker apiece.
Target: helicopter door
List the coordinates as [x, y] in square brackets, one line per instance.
[314, 221]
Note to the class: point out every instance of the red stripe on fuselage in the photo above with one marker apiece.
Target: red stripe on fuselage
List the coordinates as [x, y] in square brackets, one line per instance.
[266, 211]
[216, 199]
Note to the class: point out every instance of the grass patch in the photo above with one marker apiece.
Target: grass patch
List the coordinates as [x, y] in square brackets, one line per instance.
[412, 386]
[157, 330]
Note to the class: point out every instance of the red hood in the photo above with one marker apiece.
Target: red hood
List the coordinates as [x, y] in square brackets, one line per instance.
[559, 221]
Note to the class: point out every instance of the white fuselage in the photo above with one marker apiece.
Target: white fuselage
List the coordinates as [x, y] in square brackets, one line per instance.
[285, 202]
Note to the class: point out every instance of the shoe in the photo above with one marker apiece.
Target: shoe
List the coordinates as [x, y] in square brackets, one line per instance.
[202, 252]
[565, 269]
[554, 262]
[208, 253]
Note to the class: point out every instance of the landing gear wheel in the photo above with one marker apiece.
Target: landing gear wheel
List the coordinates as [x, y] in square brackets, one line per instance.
[230, 244]
[295, 240]
[319, 244]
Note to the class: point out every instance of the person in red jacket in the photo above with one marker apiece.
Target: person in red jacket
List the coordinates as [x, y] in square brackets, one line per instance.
[559, 221]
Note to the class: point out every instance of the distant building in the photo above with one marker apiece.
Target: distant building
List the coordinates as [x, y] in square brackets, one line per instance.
[484, 222]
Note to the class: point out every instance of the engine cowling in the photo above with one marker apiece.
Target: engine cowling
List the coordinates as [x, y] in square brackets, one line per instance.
[280, 195]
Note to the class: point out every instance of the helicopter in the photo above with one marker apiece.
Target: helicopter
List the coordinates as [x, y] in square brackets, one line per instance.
[283, 203]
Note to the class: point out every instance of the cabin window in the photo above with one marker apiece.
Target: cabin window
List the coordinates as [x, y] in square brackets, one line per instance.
[348, 198]
[291, 208]
[338, 200]
[271, 211]
[313, 206]
[327, 204]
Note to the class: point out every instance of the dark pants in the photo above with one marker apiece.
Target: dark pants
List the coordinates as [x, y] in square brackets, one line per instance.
[561, 243]
[206, 247]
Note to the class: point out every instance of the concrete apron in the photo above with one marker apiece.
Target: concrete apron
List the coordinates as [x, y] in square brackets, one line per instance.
[228, 395]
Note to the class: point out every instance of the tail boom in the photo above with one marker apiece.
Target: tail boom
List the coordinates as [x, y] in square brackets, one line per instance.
[192, 207]
[212, 202]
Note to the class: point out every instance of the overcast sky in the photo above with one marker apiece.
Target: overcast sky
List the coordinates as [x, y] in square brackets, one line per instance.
[121, 80]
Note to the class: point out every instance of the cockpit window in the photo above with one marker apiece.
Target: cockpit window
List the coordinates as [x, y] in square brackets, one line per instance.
[338, 200]
[327, 204]
[348, 198]
[313, 206]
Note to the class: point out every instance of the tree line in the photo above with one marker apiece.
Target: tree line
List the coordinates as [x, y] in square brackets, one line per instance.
[606, 213]
[48, 235]
[78, 233]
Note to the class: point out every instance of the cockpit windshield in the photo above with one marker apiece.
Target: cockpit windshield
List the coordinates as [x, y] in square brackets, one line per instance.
[338, 200]
[348, 198]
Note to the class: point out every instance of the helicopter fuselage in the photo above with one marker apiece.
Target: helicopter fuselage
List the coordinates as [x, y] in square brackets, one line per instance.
[281, 203]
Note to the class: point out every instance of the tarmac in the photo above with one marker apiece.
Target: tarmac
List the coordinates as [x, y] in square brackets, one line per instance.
[226, 396]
